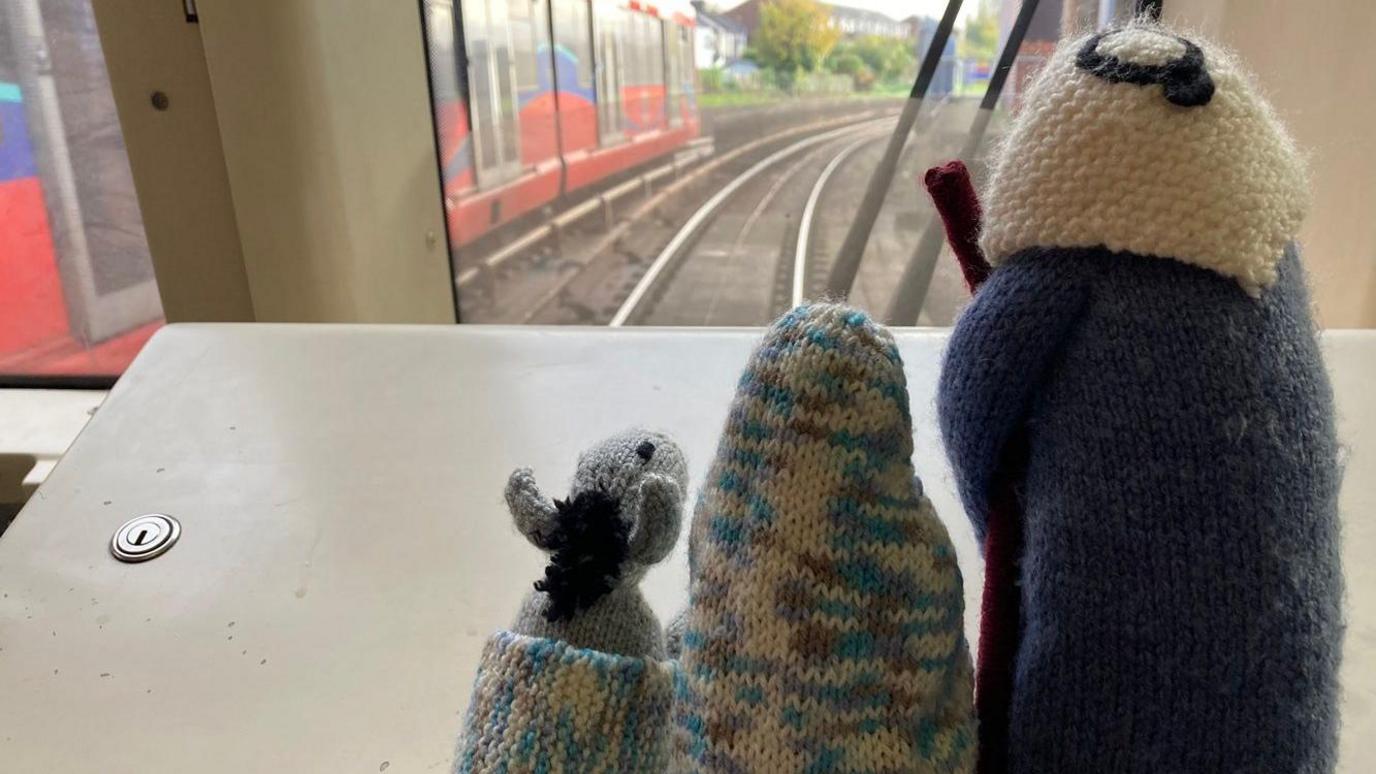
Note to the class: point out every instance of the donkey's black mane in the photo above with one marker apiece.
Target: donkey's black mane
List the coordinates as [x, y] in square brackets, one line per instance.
[590, 543]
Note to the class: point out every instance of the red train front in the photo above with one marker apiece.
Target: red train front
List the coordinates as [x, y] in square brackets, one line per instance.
[538, 98]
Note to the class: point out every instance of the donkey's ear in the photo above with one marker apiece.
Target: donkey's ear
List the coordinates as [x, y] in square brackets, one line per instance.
[658, 520]
[534, 514]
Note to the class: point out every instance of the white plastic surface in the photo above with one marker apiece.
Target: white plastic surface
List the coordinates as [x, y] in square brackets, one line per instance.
[345, 549]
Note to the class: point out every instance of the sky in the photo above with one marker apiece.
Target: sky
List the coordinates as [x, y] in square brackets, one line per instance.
[898, 9]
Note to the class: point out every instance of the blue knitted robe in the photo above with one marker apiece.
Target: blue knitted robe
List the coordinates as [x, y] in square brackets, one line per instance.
[1180, 581]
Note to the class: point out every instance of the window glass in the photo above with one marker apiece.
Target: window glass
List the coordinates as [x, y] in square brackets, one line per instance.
[504, 70]
[635, 50]
[579, 39]
[77, 293]
[611, 69]
[573, 45]
[673, 78]
[654, 50]
[721, 190]
[492, 97]
[522, 29]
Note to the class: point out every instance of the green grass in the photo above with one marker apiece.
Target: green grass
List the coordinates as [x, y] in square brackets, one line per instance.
[740, 98]
[750, 98]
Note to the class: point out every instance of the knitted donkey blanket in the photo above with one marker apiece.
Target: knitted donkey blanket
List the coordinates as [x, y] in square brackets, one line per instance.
[541, 705]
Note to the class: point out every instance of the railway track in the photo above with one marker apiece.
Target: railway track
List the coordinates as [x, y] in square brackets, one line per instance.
[799, 281]
[738, 280]
[766, 240]
[706, 215]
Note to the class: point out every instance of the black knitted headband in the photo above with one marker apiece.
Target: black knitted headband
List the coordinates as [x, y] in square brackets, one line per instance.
[1186, 80]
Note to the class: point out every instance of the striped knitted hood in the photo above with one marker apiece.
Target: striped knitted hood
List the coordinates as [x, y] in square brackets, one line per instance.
[1142, 141]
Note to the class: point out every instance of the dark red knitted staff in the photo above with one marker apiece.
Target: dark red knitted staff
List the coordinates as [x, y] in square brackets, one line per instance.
[1000, 610]
[958, 205]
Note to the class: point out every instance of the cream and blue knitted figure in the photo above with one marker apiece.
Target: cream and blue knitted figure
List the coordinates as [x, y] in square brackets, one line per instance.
[579, 684]
[1140, 374]
[824, 632]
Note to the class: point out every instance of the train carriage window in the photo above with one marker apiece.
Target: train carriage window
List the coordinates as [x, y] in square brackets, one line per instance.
[654, 49]
[689, 69]
[522, 39]
[649, 42]
[504, 65]
[641, 70]
[610, 28]
[685, 48]
[582, 35]
[630, 31]
[540, 45]
[573, 38]
[492, 90]
[672, 81]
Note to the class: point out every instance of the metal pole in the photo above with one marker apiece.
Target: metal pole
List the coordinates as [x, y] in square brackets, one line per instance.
[848, 259]
[917, 275]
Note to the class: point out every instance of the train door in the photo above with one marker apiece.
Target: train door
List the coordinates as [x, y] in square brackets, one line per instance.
[608, 26]
[492, 99]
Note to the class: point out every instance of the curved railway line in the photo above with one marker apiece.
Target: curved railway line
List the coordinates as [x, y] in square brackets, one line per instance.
[687, 235]
[767, 239]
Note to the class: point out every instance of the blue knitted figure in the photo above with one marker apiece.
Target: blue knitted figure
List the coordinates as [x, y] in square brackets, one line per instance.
[1137, 389]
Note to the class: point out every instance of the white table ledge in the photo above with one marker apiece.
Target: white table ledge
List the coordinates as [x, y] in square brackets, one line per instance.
[345, 548]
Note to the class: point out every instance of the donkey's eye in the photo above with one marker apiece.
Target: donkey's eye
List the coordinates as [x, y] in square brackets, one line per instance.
[646, 450]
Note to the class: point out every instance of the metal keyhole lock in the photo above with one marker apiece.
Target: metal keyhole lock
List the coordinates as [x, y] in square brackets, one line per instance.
[144, 537]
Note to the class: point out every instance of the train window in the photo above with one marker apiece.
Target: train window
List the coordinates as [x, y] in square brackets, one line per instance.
[573, 41]
[631, 35]
[644, 70]
[689, 62]
[523, 44]
[492, 90]
[654, 49]
[686, 50]
[581, 36]
[541, 49]
[609, 25]
[504, 67]
[77, 293]
[673, 80]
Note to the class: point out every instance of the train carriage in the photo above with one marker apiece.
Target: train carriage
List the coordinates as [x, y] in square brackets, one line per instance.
[538, 98]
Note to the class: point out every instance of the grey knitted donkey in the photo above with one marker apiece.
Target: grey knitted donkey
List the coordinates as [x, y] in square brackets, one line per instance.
[622, 515]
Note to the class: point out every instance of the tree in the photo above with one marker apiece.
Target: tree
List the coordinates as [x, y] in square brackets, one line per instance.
[980, 40]
[872, 58]
[844, 62]
[794, 37]
[889, 58]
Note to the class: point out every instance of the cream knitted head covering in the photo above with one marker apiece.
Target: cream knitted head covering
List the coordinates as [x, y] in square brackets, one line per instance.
[1139, 140]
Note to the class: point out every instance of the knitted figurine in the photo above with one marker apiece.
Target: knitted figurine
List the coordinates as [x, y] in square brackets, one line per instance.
[824, 630]
[1136, 396]
[579, 684]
